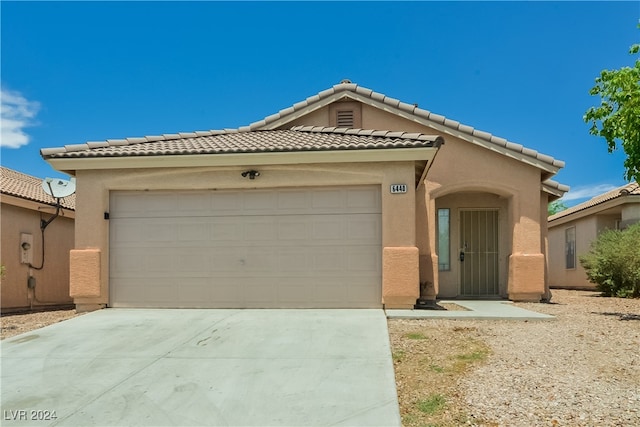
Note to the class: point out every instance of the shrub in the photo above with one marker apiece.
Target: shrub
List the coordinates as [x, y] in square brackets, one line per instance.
[613, 263]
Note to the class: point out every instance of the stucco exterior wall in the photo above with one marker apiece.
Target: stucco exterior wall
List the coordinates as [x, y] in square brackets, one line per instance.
[449, 279]
[463, 175]
[94, 186]
[586, 231]
[506, 184]
[630, 214]
[52, 282]
[481, 179]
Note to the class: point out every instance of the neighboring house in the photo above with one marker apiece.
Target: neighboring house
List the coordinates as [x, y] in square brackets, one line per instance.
[307, 209]
[24, 206]
[572, 231]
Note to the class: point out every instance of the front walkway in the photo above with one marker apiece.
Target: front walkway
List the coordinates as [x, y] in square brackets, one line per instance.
[477, 309]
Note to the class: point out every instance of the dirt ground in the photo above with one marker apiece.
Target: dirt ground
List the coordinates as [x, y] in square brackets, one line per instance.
[580, 369]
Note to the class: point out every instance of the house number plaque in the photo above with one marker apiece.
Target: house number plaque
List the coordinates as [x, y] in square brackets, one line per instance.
[398, 188]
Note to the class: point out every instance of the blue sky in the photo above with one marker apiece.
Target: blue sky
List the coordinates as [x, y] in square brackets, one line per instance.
[84, 71]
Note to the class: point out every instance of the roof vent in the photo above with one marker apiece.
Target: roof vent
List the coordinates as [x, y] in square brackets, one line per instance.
[345, 81]
[624, 192]
[345, 119]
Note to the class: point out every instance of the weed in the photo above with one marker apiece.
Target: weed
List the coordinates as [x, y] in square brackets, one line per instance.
[436, 368]
[416, 336]
[433, 404]
[397, 355]
[476, 356]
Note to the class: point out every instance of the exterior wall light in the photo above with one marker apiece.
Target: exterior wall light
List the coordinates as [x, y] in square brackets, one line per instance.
[251, 174]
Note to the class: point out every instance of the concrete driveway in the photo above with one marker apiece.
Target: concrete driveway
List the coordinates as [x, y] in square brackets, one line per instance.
[129, 367]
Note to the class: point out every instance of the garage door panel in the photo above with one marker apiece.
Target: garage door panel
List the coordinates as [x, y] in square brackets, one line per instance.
[366, 199]
[195, 290]
[364, 259]
[296, 228]
[365, 228]
[260, 228]
[327, 260]
[253, 249]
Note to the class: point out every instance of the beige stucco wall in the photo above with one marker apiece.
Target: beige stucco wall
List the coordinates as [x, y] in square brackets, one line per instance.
[462, 175]
[494, 181]
[52, 282]
[630, 214]
[94, 186]
[449, 280]
[587, 230]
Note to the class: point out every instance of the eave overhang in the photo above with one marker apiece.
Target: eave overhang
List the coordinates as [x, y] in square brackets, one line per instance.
[72, 164]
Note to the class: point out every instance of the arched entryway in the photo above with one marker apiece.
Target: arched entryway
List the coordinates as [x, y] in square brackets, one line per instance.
[472, 244]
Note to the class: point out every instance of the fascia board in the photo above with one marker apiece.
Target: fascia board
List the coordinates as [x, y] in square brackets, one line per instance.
[458, 134]
[593, 210]
[304, 111]
[244, 159]
[552, 191]
[35, 206]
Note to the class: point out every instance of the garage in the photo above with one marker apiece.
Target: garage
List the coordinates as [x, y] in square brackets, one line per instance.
[271, 248]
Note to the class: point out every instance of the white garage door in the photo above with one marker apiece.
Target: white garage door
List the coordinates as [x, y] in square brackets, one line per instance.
[246, 249]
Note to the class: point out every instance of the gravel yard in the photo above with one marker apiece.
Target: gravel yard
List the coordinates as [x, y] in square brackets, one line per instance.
[582, 369]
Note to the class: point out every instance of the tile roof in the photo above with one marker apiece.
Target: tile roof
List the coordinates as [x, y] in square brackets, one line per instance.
[631, 189]
[351, 90]
[552, 185]
[298, 138]
[18, 184]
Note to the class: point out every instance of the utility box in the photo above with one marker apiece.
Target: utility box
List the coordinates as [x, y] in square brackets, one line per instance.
[26, 248]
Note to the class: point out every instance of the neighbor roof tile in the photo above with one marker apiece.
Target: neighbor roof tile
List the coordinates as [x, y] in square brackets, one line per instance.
[29, 187]
[630, 189]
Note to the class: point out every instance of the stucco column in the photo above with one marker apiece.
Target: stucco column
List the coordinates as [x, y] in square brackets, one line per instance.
[425, 232]
[544, 243]
[400, 255]
[400, 276]
[89, 262]
[526, 262]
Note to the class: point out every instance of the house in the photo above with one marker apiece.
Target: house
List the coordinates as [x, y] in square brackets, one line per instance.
[572, 231]
[29, 280]
[348, 198]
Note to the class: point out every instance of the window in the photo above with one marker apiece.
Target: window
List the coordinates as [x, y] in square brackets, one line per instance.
[444, 246]
[570, 248]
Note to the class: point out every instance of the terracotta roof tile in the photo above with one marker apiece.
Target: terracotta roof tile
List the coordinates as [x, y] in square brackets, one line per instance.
[631, 189]
[299, 138]
[29, 187]
[359, 91]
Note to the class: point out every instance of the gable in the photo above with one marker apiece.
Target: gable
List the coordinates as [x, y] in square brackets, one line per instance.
[316, 109]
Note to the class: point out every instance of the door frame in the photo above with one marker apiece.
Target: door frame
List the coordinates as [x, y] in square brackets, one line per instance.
[497, 238]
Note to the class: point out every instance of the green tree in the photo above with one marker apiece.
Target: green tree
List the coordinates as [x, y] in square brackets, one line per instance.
[555, 207]
[617, 119]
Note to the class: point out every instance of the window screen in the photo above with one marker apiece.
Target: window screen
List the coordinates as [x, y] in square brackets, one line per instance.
[444, 245]
[570, 248]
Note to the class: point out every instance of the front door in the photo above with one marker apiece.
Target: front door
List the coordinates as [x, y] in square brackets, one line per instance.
[478, 253]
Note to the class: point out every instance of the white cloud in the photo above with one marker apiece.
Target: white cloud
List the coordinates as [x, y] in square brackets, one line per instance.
[17, 113]
[587, 191]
